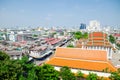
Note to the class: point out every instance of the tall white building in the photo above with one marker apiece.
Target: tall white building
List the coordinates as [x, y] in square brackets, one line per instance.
[94, 25]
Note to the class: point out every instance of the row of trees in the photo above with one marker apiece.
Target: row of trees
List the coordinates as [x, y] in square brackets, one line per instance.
[24, 70]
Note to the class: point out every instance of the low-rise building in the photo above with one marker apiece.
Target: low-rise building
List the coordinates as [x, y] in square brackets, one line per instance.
[15, 54]
[80, 59]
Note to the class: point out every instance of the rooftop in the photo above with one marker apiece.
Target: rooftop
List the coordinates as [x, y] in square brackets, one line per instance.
[52, 41]
[81, 59]
[82, 64]
[98, 39]
[117, 34]
[77, 53]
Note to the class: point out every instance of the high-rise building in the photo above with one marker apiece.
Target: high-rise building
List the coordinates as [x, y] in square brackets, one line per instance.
[82, 26]
[94, 25]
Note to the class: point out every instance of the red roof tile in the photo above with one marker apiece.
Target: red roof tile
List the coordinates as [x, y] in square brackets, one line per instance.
[117, 34]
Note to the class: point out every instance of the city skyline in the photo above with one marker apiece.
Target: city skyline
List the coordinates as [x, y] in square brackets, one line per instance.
[48, 13]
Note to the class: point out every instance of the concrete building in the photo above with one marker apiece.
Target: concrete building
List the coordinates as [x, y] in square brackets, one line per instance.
[15, 54]
[12, 36]
[82, 26]
[94, 25]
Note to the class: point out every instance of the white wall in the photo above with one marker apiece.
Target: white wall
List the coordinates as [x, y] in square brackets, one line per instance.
[102, 74]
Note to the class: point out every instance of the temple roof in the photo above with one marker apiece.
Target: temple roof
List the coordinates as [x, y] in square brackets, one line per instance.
[95, 60]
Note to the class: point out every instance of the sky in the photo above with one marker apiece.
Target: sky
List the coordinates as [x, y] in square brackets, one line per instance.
[65, 13]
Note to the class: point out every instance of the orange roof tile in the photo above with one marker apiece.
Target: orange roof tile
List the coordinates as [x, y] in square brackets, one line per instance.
[98, 41]
[90, 42]
[98, 37]
[99, 44]
[76, 53]
[81, 59]
[97, 34]
[82, 64]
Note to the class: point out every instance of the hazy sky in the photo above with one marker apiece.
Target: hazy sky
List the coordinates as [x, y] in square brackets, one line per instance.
[67, 13]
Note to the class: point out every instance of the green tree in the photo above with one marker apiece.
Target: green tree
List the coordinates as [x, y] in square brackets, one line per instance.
[111, 39]
[115, 75]
[78, 35]
[3, 56]
[21, 77]
[47, 72]
[66, 74]
[92, 76]
[9, 69]
[80, 75]
[15, 69]
[118, 45]
[70, 46]
[35, 35]
[32, 75]
[85, 35]
[28, 69]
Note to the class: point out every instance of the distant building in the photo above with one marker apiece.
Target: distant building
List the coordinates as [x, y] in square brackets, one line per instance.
[94, 25]
[2, 36]
[12, 36]
[82, 26]
[15, 54]
[106, 29]
[117, 36]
